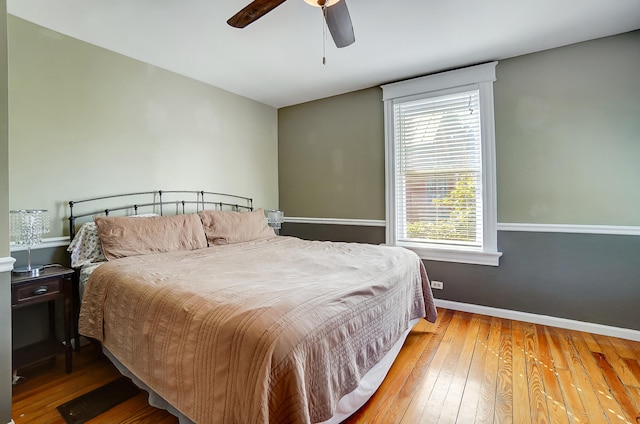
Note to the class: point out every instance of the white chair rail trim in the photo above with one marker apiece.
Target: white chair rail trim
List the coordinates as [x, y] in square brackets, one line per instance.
[524, 227]
[46, 244]
[571, 228]
[337, 221]
[629, 230]
[6, 264]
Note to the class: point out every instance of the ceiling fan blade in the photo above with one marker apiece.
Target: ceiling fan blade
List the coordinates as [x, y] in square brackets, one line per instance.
[339, 23]
[253, 11]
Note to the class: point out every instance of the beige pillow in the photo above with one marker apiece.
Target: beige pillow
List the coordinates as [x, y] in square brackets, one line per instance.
[226, 227]
[121, 236]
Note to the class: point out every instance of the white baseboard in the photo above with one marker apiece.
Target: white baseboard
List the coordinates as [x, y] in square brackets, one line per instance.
[588, 327]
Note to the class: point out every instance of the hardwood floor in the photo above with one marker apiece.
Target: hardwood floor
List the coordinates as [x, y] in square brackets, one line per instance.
[465, 368]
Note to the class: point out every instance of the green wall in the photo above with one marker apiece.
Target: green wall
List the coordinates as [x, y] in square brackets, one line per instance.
[331, 159]
[567, 125]
[85, 121]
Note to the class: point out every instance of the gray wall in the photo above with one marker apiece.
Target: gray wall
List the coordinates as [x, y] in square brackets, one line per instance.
[567, 125]
[5, 278]
[331, 162]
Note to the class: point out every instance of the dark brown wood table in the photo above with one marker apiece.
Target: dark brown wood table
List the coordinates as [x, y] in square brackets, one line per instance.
[51, 284]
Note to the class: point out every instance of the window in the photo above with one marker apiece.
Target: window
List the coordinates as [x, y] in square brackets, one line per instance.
[440, 174]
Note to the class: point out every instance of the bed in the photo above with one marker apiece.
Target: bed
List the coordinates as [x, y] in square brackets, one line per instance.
[222, 321]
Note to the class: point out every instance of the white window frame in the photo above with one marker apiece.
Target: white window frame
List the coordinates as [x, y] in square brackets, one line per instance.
[482, 77]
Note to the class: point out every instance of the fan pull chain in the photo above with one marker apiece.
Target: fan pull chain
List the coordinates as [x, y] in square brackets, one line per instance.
[324, 34]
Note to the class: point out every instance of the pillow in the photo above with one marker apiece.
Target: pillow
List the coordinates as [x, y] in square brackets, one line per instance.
[121, 237]
[85, 247]
[227, 227]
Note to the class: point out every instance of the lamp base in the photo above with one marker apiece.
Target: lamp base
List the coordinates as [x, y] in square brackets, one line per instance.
[32, 270]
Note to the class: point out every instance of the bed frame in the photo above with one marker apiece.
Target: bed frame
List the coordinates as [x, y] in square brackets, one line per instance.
[159, 201]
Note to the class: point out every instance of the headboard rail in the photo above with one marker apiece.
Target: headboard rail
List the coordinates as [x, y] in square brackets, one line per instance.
[157, 201]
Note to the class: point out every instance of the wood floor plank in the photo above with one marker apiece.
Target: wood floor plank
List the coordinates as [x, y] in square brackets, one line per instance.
[537, 395]
[383, 401]
[623, 347]
[572, 401]
[433, 407]
[591, 342]
[580, 375]
[469, 404]
[453, 401]
[634, 366]
[616, 388]
[611, 409]
[633, 348]
[557, 408]
[521, 398]
[411, 385]
[613, 357]
[421, 397]
[465, 368]
[487, 400]
[503, 413]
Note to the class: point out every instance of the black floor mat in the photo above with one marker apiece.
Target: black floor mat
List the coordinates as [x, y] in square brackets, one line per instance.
[94, 403]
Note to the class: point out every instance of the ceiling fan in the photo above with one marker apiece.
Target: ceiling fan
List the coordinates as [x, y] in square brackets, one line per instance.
[335, 12]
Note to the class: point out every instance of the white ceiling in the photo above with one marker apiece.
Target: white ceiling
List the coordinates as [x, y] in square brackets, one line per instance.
[277, 60]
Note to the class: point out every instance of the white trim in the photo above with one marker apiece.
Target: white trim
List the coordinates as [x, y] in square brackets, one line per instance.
[570, 228]
[524, 227]
[336, 221]
[489, 180]
[456, 78]
[6, 264]
[476, 257]
[569, 324]
[46, 244]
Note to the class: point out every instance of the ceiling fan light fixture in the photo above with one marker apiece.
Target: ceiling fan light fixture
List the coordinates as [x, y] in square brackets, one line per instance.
[316, 3]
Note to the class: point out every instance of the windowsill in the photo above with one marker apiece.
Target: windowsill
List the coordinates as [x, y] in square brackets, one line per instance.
[476, 257]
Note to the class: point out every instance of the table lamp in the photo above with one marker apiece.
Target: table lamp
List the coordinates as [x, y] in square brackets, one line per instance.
[27, 227]
[275, 220]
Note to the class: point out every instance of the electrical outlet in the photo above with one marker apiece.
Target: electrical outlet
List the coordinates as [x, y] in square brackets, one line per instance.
[437, 285]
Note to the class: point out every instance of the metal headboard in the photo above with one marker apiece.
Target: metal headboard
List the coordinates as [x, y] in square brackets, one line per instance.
[155, 201]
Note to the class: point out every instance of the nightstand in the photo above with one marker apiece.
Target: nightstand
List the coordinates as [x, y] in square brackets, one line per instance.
[54, 282]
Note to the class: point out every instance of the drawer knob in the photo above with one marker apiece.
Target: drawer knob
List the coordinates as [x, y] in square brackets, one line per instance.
[40, 290]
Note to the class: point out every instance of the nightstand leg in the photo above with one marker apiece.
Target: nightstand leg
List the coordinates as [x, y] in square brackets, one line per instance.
[76, 308]
[67, 331]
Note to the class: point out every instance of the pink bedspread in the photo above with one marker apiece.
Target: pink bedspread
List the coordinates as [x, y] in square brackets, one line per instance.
[275, 330]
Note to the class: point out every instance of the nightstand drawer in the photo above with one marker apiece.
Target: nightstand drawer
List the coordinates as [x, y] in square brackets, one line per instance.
[35, 291]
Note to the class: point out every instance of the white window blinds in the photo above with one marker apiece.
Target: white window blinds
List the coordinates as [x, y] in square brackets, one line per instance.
[438, 154]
